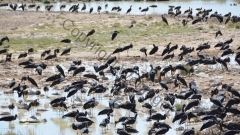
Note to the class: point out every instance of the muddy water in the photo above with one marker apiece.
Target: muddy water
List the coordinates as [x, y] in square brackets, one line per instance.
[221, 6]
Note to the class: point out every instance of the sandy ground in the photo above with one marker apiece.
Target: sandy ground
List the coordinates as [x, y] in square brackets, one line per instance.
[20, 24]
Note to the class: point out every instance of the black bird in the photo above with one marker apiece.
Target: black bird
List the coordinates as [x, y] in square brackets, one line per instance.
[172, 48]
[3, 51]
[163, 85]
[9, 118]
[53, 77]
[118, 50]
[4, 39]
[93, 76]
[227, 52]
[130, 26]
[228, 19]
[13, 7]
[162, 131]
[166, 49]
[106, 5]
[58, 81]
[56, 100]
[30, 50]
[130, 129]
[78, 70]
[232, 101]
[207, 124]
[99, 9]
[51, 56]
[145, 10]
[144, 50]
[91, 32]
[182, 80]
[167, 105]
[24, 5]
[8, 57]
[102, 67]
[11, 106]
[106, 111]
[191, 104]
[71, 114]
[147, 105]
[216, 102]
[121, 119]
[149, 95]
[164, 20]
[188, 132]
[222, 62]
[153, 6]
[84, 7]
[37, 8]
[199, 19]
[168, 56]
[22, 55]
[130, 120]
[4, 4]
[66, 41]
[62, 6]
[154, 50]
[114, 34]
[12, 83]
[81, 125]
[111, 60]
[158, 117]
[122, 132]
[60, 69]
[72, 91]
[218, 33]
[229, 41]
[66, 51]
[129, 10]
[231, 132]
[91, 9]
[184, 22]
[33, 82]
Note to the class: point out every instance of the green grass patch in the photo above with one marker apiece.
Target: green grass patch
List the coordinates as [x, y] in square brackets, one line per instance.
[22, 44]
[233, 25]
[237, 26]
[178, 107]
[187, 67]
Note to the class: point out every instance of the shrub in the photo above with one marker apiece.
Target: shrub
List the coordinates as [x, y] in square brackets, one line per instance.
[211, 26]
[133, 21]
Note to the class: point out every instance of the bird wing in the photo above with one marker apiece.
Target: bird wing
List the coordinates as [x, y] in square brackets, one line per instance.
[32, 81]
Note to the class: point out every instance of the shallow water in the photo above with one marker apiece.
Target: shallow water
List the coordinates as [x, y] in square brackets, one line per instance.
[222, 6]
[55, 125]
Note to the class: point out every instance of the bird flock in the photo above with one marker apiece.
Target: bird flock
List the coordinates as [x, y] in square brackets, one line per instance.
[169, 82]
